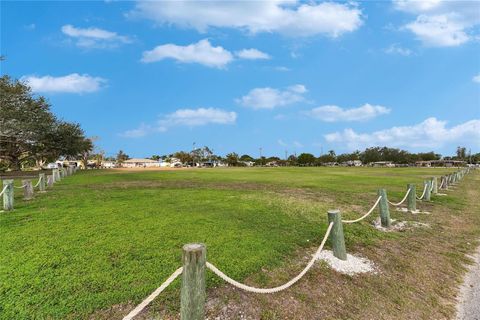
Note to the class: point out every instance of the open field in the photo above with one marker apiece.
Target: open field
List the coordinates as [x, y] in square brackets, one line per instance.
[100, 241]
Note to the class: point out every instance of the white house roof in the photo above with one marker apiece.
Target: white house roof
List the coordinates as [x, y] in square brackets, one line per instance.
[140, 160]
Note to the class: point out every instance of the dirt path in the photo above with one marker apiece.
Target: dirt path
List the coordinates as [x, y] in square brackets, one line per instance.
[468, 307]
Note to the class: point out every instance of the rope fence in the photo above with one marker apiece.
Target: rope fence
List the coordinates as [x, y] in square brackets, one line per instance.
[28, 189]
[194, 255]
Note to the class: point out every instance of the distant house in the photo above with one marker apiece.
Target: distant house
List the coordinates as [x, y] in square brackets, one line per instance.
[352, 163]
[382, 164]
[140, 163]
[440, 163]
[109, 164]
[248, 163]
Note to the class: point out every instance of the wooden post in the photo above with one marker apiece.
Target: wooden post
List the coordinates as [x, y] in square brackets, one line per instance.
[336, 236]
[435, 185]
[62, 173]
[383, 207]
[27, 189]
[192, 301]
[428, 192]
[50, 179]
[41, 185]
[412, 197]
[57, 175]
[8, 195]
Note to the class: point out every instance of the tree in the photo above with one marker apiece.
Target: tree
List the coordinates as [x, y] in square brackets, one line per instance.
[29, 132]
[183, 156]
[155, 157]
[232, 159]
[246, 157]
[121, 157]
[306, 159]
[461, 153]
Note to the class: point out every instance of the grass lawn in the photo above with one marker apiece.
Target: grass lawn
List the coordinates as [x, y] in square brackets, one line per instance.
[108, 238]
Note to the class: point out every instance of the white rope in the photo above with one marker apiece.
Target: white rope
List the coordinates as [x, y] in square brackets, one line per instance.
[441, 184]
[403, 200]
[279, 288]
[431, 186]
[21, 187]
[365, 215]
[4, 188]
[152, 296]
[38, 183]
[423, 194]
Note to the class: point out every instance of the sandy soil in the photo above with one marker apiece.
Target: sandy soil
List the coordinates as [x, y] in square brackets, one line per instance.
[468, 307]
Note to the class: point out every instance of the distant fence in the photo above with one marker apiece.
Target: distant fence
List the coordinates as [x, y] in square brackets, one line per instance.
[43, 183]
[193, 288]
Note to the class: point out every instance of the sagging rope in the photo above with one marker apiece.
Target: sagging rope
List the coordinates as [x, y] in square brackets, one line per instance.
[403, 200]
[21, 187]
[366, 214]
[154, 294]
[38, 183]
[279, 288]
[423, 194]
[237, 284]
[3, 191]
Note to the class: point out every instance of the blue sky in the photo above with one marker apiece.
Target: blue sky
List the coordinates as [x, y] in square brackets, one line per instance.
[155, 77]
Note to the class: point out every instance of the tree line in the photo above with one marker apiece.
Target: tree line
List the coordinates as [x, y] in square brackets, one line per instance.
[369, 155]
[30, 134]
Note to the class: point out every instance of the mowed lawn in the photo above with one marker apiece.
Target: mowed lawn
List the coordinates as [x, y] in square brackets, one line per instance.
[108, 237]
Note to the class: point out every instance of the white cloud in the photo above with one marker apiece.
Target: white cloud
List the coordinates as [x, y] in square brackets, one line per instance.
[395, 48]
[288, 17]
[438, 31]
[141, 131]
[72, 83]
[186, 118]
[269, 98]
[201, 52]
[332, 113]
[441, 23]
[431, 133]
[476, 78]
[198, 117]
[282, 143]
[94, 37]
[252, 54]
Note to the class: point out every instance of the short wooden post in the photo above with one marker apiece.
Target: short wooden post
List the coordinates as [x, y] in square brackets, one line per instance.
[27, 189]
[336, 235]
[383, 207]
[62, 173]
[41, 184]
[57, 175]
[428, 191]
[8, 195]
[435, 185]
[50, 179]
[412, 197]
[192, 301]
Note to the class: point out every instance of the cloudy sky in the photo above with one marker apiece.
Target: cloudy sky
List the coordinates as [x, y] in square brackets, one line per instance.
[155, 77]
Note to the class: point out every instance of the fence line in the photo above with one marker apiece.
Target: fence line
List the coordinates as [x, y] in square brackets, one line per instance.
[8, 196]
[337, 243]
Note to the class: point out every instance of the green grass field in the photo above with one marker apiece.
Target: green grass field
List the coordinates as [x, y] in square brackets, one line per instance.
[104, 238]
